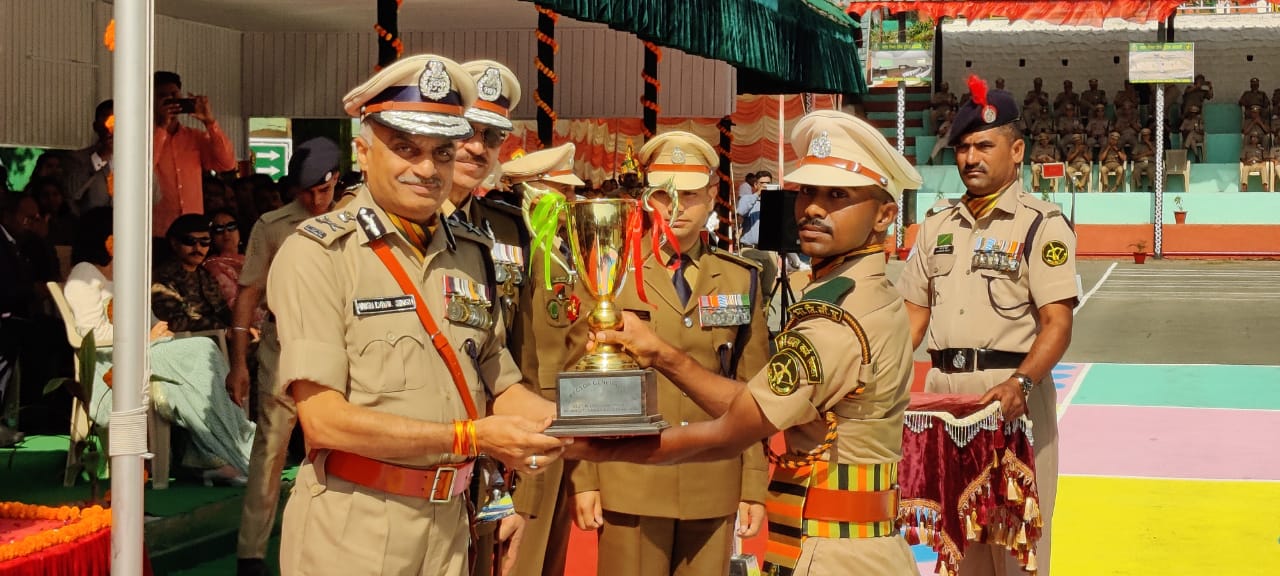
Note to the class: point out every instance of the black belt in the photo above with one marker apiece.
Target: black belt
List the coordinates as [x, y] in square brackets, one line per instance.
[953, 360]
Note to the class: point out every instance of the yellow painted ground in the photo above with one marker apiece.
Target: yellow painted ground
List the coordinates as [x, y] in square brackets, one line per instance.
[1113, 526]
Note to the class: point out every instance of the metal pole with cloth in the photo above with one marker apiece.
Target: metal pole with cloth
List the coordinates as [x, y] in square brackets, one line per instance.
[132, 91]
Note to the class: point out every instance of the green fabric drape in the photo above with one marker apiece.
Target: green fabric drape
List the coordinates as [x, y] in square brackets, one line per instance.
[777, 45]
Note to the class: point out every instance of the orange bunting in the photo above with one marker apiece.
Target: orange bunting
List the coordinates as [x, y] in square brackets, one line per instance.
[77, 523]
[549, 73]
[549, 41]
[109, 37]
[657, 50]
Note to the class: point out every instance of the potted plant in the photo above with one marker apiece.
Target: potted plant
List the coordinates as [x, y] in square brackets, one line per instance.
[1139, 252]
[1179, 214]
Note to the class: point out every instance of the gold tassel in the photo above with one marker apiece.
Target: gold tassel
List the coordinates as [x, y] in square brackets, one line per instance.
[1031, 510]
[942, 569]
[1022, 535]
[971, 529]
[1015, 493]
[1031, 561]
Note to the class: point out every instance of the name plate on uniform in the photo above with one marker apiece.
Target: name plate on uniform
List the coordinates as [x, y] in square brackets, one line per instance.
[614, 403]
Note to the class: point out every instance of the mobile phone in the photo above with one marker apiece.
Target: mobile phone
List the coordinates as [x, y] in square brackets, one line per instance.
[185, 105]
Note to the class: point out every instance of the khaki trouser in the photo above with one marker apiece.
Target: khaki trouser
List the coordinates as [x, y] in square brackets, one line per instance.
[335, 527]
[981, 559]
[545, 543]
[888, 556]
[277, 415]
[648, 546]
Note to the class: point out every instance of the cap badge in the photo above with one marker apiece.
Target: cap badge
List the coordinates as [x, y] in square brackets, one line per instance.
[820, 147]
[490, 85]
[434, 81]
[677, 156]
[988, 114]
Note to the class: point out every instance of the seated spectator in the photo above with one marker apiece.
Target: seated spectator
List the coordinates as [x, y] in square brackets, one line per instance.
[1255, 125]
[1111, 164]
[1253, 158]
[1098, 126]
[182, 292]
[191, 371]
[1079, 158]
[1044, 152]
[226, 260]
[1144, 160]
[59, 216]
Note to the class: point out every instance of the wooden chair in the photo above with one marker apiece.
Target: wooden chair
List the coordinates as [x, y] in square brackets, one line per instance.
[1176, 163]
[158, 429]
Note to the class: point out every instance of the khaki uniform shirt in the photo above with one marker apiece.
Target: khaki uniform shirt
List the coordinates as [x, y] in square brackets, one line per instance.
[265, 240]
[383, 361]
[695, 490]
[981, 308]
[869, 423]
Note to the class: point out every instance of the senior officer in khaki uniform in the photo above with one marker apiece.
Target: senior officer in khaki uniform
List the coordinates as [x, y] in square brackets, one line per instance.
[389, 344]
[992, 281]
[656, 520]
[539, 346]
[315, 166]
[475, 161]
[838, 385]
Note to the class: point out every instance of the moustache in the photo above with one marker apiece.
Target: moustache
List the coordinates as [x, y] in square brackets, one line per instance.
[416, 181]
[820, 223]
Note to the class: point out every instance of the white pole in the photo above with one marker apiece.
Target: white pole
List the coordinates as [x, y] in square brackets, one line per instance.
[1158, 245]
[900, 237]
[134, 128]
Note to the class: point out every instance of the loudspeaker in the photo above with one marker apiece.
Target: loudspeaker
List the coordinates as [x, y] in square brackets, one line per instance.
[778, 229]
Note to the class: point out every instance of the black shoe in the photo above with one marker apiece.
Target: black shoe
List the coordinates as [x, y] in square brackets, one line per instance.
[9, 436]
[251, 567]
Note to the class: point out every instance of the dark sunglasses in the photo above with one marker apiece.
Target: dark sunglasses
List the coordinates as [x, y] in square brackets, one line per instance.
[191, 241]
[493, 137]
[220, 228]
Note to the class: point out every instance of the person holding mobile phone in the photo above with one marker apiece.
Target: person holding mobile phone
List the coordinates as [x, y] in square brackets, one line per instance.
[183, 155]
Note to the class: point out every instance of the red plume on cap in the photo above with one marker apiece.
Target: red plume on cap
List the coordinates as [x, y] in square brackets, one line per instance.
[978, 90]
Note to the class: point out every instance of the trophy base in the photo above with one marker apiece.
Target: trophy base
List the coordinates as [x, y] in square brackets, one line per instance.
[607, 403]
[606, 426]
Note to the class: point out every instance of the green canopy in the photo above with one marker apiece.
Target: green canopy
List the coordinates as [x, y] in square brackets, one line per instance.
[778, 46]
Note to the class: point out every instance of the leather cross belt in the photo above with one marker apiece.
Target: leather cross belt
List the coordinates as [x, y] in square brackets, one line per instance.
[954, 360]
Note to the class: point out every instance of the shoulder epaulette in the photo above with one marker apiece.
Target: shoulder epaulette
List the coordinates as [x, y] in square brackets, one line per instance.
[1049, 209]
[942, 205]
[327, 228]
[734, 258]
[280, 213]
[468, 231]
[501, 203]
[831, 291]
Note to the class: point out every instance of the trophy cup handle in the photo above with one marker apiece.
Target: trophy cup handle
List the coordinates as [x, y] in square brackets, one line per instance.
[668, 187]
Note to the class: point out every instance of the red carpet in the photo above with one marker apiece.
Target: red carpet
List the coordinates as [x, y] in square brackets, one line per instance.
[582, 545]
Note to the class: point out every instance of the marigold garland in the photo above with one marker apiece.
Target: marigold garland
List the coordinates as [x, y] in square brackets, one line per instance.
[109, 37]
[549, 41]
[542, 105]
[77, 523]
[657, 50]
[651, 80]
[549, 13]
[396, 42]
[549, 73]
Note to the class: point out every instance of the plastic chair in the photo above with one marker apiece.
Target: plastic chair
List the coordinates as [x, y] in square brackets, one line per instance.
[1176, 163]
[158, 429]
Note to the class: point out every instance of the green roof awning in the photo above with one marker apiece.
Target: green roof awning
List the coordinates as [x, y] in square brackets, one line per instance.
[778, 46]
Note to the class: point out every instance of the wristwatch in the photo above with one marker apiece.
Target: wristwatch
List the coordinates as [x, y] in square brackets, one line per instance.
[1025, 381]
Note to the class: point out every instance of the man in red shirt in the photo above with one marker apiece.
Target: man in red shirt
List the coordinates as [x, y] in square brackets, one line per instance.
[183, 155]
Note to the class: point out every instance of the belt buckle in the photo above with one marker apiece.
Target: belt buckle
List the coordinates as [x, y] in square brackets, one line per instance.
[445, 474]
[962, 361]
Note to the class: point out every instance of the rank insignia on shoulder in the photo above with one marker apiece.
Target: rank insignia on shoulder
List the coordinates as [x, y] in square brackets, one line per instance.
[314, 231]
[1054, 253]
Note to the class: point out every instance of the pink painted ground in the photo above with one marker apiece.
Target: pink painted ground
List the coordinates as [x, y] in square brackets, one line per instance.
[1170, 442]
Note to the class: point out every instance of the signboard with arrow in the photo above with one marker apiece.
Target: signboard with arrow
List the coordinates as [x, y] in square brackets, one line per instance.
[271, 156]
